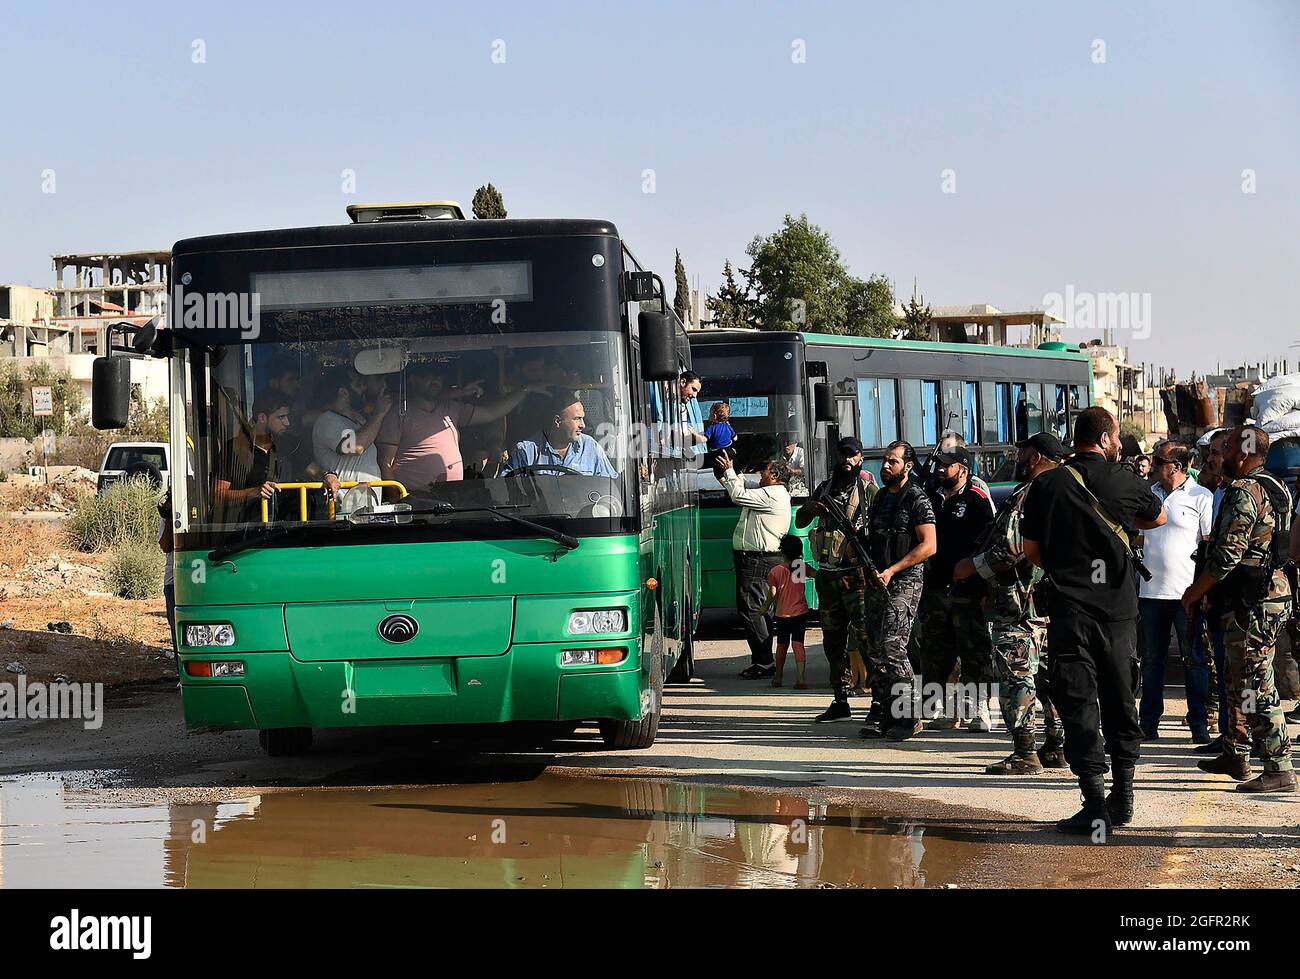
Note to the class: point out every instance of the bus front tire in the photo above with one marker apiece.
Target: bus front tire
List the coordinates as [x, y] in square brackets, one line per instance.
[283, 742]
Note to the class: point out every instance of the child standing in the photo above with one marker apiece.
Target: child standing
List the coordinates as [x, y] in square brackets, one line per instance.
[785, 590]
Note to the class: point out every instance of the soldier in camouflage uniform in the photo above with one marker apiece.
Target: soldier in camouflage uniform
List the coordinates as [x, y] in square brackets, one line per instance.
[841, 578]
[1244, 569]
[1019, 630]
[901, 536]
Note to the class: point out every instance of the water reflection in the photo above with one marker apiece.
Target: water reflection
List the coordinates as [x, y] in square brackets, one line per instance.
[552, 831]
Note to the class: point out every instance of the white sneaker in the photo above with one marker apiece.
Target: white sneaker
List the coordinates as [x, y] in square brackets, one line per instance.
[981, 721]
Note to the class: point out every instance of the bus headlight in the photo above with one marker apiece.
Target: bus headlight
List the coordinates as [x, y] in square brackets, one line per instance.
[210, 634]
[597, 620]
[592, 657]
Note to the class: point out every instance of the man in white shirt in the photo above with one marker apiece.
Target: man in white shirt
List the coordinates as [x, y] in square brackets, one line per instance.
[1169, 552]
[343, 439]
[756, 550]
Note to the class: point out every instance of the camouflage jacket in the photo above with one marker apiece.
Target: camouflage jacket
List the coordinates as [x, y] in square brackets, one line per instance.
[1243, 534]
[1001, 561]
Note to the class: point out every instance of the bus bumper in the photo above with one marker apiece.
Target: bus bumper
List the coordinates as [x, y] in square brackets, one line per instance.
[527, 683]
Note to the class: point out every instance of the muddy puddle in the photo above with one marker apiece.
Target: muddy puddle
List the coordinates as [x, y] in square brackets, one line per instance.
[74, 830]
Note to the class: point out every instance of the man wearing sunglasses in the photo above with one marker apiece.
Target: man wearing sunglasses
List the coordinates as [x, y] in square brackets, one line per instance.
[1170, 552]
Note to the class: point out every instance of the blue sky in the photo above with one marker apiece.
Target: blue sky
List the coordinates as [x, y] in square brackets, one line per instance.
[1121, 176]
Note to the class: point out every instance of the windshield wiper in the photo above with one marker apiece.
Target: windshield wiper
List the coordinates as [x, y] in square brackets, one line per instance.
[444, 509]
[266, 535]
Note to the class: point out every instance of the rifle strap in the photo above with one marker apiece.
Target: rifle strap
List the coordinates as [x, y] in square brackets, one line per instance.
[1116, 528]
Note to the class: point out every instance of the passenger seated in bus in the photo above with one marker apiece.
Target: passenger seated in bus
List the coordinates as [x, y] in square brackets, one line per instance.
[343, 438]
[249, 465]
[487, 459]
[562, 443]
[422, 445]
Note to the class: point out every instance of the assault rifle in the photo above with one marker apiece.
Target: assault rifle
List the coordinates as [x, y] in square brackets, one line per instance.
[840, 519]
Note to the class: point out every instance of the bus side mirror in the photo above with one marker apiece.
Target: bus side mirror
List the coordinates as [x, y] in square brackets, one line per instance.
[658, 346]
[823, 402]
[110, 392]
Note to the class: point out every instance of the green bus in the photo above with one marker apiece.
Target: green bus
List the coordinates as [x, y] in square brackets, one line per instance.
[454, 576]
[880, 391]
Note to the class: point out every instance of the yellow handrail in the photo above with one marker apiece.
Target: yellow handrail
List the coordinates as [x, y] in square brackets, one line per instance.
[302, 489]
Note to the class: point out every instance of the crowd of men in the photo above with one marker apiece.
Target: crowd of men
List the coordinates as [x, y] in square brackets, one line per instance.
[1046, 600]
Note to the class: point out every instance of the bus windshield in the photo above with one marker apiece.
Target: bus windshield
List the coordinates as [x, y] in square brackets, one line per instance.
[534, 423]
[760, 382]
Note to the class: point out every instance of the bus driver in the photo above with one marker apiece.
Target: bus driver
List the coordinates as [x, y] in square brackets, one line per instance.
[562, 443]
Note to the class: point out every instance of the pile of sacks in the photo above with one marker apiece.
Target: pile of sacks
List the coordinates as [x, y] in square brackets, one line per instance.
[1276, 406]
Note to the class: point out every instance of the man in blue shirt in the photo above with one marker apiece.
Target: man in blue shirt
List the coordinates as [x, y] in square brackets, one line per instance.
[684, 415]
[562, 443]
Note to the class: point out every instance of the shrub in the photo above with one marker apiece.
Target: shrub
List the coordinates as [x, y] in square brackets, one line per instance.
[127, 512]
[135, 570]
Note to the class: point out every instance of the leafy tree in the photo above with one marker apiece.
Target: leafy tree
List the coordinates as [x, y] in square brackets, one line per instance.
[731, 307]
[869, 307]
[682, 296]
[1128, 426]
[916, 318]
[798, 278]
[488, 203]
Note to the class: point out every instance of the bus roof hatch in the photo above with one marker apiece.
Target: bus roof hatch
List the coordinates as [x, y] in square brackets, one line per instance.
[413, 211]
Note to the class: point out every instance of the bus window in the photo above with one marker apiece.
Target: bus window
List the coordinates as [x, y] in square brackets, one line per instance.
[888, 411]
[969, 412]
[1076, 406]
[989, 434]
[951, 418]
[869, 411]
[1004, 412]
[1035, 404]
[1059, 421]
[930, 412]
[913, 413]
[1020, 399]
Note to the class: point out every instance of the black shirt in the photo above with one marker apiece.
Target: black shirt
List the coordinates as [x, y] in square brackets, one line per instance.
[245, 465]
[886, 542]
[1086, 561]
[961, 520]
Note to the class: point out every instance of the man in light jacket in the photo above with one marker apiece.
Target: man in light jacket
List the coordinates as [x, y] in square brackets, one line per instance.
[756, 550]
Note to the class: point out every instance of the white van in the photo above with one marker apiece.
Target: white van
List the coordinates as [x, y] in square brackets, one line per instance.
[121, 456]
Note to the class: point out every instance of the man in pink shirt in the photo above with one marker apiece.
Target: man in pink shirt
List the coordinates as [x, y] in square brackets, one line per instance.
[422, 446]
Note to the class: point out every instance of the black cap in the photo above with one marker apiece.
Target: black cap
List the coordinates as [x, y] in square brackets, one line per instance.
[1046, 444]
[958, 454]
[849, 446]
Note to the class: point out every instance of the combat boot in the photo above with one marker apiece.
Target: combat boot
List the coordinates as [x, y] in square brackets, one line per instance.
[1022, 761]
[1270, 782]
[1052, 753]
[1120, 801]
[902, 718]
[874, 725]
[1094, 815]
[1228, 763]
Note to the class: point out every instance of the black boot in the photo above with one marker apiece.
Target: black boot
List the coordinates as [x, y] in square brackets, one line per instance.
[902, 716]
[1120, 801]
[1094, 818]
[875, 723]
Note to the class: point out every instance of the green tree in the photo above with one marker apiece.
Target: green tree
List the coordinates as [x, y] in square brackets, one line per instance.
[682, 295]
[869, 307]
[798, 278]
[916, 318]
[731, 307]
[488, 203]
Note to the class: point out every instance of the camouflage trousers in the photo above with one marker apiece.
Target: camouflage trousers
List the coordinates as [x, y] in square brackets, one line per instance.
[1254, 708]
[1020, 655]
[839, 595]
[889, 617]
[954, 636]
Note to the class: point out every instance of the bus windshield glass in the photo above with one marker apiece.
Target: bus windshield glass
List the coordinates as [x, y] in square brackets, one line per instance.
[406, 392]
[760, 383]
